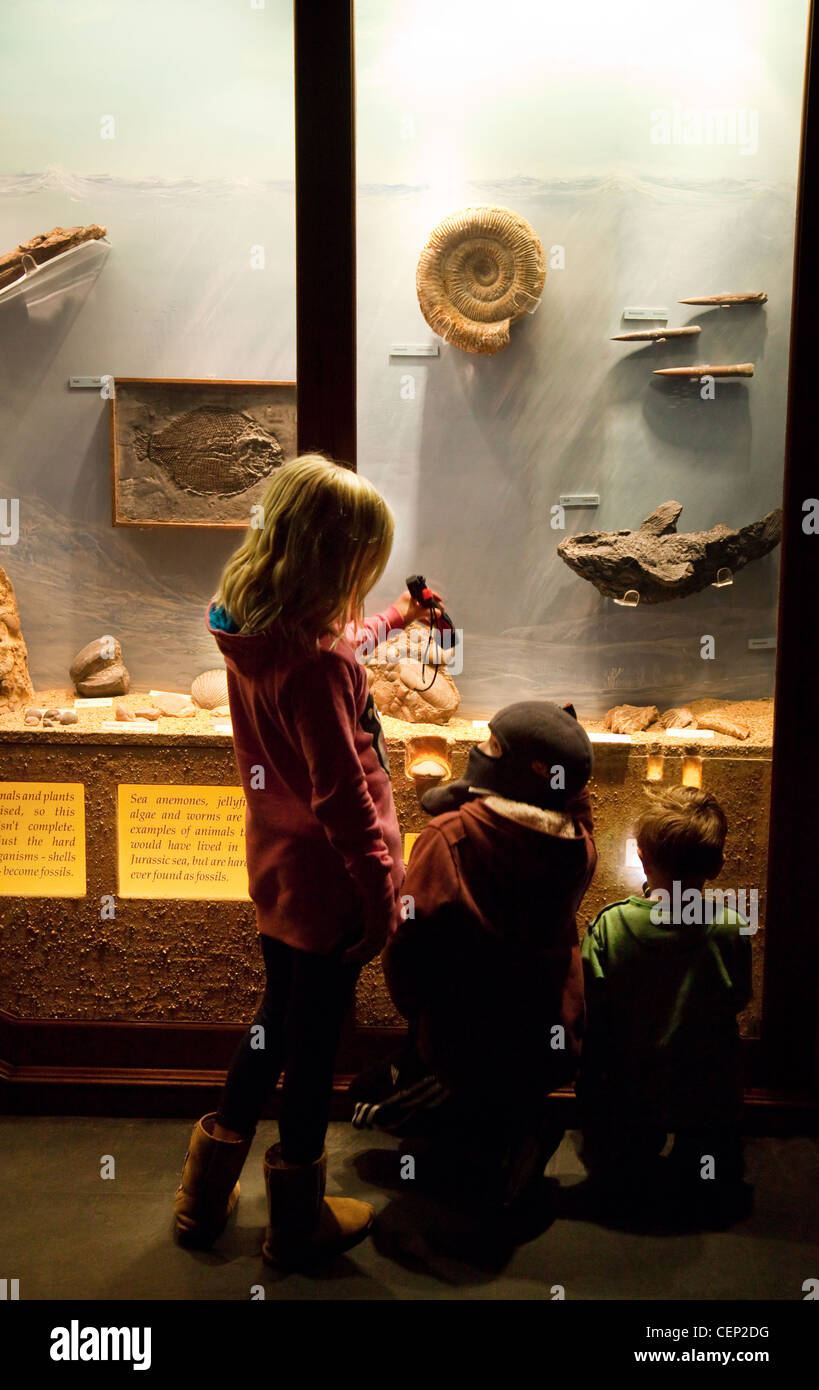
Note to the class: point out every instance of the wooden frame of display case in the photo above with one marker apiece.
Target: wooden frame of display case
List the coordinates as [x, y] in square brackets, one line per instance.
[790, 1020]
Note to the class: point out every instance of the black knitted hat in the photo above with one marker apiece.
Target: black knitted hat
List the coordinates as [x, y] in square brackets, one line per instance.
[530, 731]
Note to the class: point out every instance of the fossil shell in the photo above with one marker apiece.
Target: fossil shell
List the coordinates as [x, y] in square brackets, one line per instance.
[722, 725]
[172, 704]
[481, 269]
[213, 452]
[631, 719]
[210, 690]
[680, 717]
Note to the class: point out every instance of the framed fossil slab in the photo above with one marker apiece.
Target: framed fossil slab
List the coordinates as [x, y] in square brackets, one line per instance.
[196, 453]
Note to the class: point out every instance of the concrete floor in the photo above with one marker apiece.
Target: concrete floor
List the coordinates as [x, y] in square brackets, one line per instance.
[66, 1233]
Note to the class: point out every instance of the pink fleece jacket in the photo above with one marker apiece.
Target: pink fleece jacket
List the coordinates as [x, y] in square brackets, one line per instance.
[322, 832]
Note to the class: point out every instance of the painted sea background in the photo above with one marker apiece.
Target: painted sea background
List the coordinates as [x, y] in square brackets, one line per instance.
[472, 453]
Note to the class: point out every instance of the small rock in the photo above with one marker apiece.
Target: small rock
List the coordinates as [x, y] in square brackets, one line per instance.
[120, 712]
[31, 717]
[68, 716]
[98, 669]
[51, 714]
[631, 719]
[679, 718]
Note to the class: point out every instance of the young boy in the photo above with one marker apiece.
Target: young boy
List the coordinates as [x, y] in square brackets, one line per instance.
[665, 977]
[486, 963]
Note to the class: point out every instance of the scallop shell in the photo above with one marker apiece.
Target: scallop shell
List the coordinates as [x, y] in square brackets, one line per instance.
[213, 452]
[210, 690]
[481, 269]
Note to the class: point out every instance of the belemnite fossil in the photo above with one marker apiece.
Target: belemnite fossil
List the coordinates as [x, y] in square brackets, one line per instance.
[662, 563]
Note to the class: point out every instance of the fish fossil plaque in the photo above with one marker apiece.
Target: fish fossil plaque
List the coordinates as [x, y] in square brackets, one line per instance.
[662, 564]
[197, 453]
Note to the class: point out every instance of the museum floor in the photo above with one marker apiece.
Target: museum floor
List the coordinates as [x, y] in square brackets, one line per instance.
[68, 1234]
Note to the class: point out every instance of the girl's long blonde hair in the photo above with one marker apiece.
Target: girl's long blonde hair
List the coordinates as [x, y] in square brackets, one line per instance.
[323, 542]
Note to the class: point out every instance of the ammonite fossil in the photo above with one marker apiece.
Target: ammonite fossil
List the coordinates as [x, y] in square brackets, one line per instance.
[211, 451]
[481, 269]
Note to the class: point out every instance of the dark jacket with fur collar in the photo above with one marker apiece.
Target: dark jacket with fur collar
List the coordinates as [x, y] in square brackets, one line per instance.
[486, 964]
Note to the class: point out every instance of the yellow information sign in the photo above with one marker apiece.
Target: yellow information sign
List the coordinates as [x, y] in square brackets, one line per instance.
[181, 842]
[42, 839]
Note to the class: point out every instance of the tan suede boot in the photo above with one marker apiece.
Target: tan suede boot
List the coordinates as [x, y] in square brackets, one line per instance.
[209, 1188]
[303, 1223]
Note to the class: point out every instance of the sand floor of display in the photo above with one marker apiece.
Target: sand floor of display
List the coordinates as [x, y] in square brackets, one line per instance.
[756, 714]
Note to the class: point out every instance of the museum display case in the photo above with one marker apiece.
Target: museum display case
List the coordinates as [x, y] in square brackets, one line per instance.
[553, 297]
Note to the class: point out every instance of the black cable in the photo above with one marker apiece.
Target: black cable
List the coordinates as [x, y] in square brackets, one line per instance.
[433, 610]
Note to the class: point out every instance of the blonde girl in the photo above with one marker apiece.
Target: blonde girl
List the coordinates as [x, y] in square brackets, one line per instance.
[323, 844]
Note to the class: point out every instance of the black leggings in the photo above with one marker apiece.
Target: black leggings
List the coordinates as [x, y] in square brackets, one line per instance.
[305, 1000]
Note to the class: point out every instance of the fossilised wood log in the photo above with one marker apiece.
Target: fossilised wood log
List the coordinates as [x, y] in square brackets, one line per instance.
[706, 369]
[656, 335]
[44, 247]
[631, 719]
[721, 725]
[662, 564]
[16, 688]
[726, 299]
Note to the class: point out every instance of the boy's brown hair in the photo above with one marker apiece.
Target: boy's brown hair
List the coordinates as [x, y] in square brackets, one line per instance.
[682, 831]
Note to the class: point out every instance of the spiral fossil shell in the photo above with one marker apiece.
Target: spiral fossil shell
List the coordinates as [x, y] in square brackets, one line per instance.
[210, 690]
[481, 269]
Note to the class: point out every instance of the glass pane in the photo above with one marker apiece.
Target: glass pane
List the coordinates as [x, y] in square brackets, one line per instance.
[165, 133]
[654, 159]
[175, 134]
